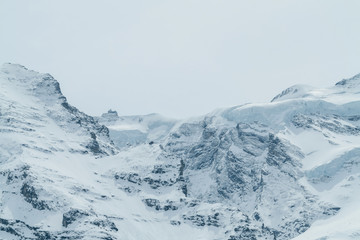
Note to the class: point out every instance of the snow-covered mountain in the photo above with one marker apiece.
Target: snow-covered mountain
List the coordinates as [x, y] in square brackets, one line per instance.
[289, 169]
[127, 131]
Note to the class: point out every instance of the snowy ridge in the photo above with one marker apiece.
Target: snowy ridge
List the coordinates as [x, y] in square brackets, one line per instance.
[32, 104]
[350, 83]
[288, 169]
[127, 131]
[297, 91]
[344, 91]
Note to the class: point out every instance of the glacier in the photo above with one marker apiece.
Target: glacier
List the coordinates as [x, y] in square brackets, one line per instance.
[287, 169]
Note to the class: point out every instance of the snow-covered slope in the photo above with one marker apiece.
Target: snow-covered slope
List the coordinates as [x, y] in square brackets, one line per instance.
[288, 169]
[36, 115]
[128, 131]
[345, 91]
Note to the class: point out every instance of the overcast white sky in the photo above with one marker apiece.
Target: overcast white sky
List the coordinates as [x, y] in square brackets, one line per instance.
[181, 58]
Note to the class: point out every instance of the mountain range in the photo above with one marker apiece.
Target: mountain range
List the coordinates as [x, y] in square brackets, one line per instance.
[287, 169]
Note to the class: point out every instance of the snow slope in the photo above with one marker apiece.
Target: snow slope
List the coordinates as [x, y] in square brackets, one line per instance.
[128, 131]
[289, 169]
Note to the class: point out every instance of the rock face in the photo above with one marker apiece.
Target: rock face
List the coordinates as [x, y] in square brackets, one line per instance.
[257, 171]
[38, 124]
[31, 100]
[72, 215]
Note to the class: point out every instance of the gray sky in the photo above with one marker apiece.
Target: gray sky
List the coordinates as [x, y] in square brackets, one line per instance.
[181, 58]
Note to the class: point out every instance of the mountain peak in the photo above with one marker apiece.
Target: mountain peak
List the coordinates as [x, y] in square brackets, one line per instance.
[345, 90]
[41, 85]
[9, 65]
[350, 82]
[295, 91]
[40, 99]
[17, 72]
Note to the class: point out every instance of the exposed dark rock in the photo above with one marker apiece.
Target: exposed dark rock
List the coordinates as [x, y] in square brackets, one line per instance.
[154, 183]
[354, 118]
[256, 216]
[288, 91]
[150, 202]
[158, 170]
[169, 206]
[181, 179]
[154, 203]
[198, 220]
[73, 215]
[94, 146]
[331, 211]
[32, 197]
[175, 223]
[332, 123]
[106, 224]
[17, 174]
[244, 233]
[130, 177]
[95, 130]
[21, 230]
[277, 152]
[201, 220]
